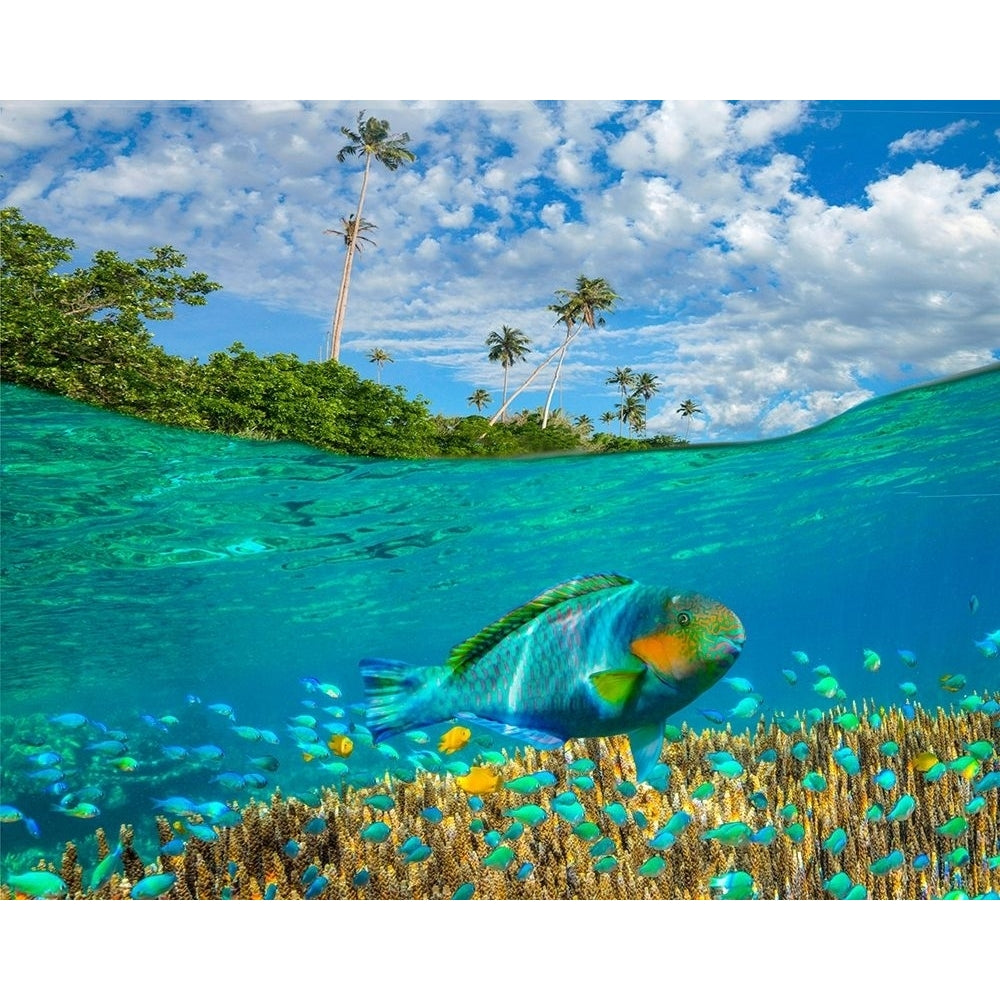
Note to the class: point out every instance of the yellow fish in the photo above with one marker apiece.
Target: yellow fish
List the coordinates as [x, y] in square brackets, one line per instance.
[479, 781]
[341, 745]
[454, 739]
[924, 761]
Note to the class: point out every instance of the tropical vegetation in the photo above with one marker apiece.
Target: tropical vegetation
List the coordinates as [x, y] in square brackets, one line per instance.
[82, 333]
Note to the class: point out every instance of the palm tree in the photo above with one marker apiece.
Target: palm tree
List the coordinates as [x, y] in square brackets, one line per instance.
[647, 385]
[582, 306]
[508, 347]
[608, 416]
[688, 409]
[479, 399]
[624, 378]
[632, 412]
[584, 425]
[381, 359]
[372, 140]
[355, 230]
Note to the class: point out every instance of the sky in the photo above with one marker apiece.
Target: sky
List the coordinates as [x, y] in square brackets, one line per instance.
[777, 261]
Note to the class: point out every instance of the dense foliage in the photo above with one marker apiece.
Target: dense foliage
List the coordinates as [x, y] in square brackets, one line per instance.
[81, 334]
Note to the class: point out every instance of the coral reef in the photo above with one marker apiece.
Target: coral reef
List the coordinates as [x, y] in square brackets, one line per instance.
[764, 832]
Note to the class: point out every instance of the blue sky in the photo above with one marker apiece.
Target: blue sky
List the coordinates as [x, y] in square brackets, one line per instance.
[777, 261]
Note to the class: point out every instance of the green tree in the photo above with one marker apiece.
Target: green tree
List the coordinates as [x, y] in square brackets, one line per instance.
[608, 417]
[81, 333]
[688, 409]
[508, 347]
[479, 399]
[373, 141]
[584, 426]
[380, 359]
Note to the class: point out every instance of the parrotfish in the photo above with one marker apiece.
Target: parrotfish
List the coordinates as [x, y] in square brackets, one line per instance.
[595, 656]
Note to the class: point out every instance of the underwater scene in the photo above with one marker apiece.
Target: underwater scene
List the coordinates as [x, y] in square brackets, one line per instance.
[213, 650]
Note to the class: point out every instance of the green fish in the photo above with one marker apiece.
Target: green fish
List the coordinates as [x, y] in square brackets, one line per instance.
[38, 885]
[595, 656]
[530, 814]
[729, 834]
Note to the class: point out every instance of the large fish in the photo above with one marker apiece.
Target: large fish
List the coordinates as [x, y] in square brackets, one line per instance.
[594, 656]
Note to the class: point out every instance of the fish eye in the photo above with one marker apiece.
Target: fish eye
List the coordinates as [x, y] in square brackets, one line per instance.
[683, 618]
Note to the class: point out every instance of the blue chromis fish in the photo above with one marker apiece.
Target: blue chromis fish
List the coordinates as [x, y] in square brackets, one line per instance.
[595, 656]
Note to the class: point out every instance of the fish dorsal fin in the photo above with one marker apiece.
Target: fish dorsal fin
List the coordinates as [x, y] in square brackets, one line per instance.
[466, 653]
[616, 686]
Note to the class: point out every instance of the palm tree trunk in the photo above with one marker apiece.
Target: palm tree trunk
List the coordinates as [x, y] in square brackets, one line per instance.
[555, 379]
[524, 385]
[345, 280]
[504, 401]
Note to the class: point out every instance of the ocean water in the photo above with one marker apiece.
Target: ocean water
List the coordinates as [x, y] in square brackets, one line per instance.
[149, 573]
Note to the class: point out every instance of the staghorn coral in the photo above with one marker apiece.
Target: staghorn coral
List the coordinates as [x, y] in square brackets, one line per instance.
[248, 860]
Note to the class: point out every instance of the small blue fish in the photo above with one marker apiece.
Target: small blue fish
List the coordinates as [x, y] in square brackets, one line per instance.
[887, 864]
[886, 778]
[314, 826]
[220, 708]
[765, 835]
[153, 886]
[837, 841]
[316, 887]
[790, 676]
[713, 715]
[908, 657]
[71, 720]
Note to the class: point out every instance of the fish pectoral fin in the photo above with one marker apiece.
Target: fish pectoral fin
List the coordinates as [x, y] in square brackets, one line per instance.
[616, 686]
[646, 743]
[537, 738]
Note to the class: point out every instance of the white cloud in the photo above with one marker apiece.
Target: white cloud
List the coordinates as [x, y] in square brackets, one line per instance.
[927, 140]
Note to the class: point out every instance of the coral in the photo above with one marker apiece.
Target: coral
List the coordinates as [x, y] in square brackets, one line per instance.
[554, 859]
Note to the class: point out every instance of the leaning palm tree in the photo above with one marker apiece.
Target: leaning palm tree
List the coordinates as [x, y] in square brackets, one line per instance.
[582, 305]
[592, 295]
[688, 409]
[508, 347]
[372, 140]
[380, 358]
[624, 378]
[479, 399]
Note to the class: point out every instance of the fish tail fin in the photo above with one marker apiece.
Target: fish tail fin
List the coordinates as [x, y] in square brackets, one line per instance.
[399, 696]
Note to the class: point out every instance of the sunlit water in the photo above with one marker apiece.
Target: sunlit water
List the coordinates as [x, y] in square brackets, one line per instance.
[143, 565]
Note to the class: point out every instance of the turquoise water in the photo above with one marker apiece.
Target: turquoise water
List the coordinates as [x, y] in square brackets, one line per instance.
[146, 567]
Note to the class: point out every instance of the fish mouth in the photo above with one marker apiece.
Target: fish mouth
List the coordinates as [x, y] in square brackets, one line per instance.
[727, 648]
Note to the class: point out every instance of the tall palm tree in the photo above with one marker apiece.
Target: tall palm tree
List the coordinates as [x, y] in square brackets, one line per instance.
[380, 358]
[479, 399]
[592, 295]
[581, 306]
[372, 140]
[584, 425]
[688, 409]
[625, 379]
[508, 347]
[608, 416]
